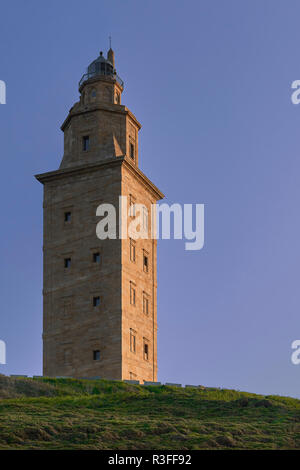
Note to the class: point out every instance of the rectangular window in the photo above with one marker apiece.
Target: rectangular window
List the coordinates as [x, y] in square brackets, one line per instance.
[68, 216]
[67, 357]
[132, 251]
[131, 146]
[132, 341]
[146, 350]
[96, 301]
[96, 258]
[132, 202]
[145, 218]
[145, 304]
[85, 143]
[132, 293]
[67, 263]
[145, 262]
[96, 355]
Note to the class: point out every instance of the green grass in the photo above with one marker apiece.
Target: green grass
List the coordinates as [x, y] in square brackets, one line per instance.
[99, 414]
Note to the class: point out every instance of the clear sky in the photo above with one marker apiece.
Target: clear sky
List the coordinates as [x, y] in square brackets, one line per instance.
[210, 81]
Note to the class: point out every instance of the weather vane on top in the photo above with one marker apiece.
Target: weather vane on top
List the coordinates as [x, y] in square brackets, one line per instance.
[109, 37]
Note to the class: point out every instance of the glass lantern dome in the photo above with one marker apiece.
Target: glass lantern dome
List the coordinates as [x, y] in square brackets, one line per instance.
[101, 66]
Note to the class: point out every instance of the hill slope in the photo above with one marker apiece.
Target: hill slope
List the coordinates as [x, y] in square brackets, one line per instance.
[84, 414]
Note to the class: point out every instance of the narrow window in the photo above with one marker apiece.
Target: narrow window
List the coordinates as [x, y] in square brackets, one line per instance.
[67, 263]
[96, 301]
[67, 357]
[145, 218]
[96, 355]
[96, 258]
[146, 351]
[85, 143]
[145, 263]
[132, 251]
[68, 216]
[145, 304]
[132, 341]
[132, 202]
[132, 293]
[131, 145]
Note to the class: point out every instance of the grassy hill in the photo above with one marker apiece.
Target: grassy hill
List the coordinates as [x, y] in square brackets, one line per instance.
[84, 414]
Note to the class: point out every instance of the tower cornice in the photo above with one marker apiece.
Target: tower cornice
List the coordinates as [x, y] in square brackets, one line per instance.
[82, 169]
[112, 108]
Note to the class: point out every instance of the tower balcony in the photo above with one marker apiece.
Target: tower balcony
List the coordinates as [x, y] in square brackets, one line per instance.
[97, 73]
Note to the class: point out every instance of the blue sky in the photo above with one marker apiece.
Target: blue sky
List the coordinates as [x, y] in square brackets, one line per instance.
[210, 81]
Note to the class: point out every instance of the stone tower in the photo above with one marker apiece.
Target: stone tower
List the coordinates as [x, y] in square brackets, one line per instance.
[100, 312]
